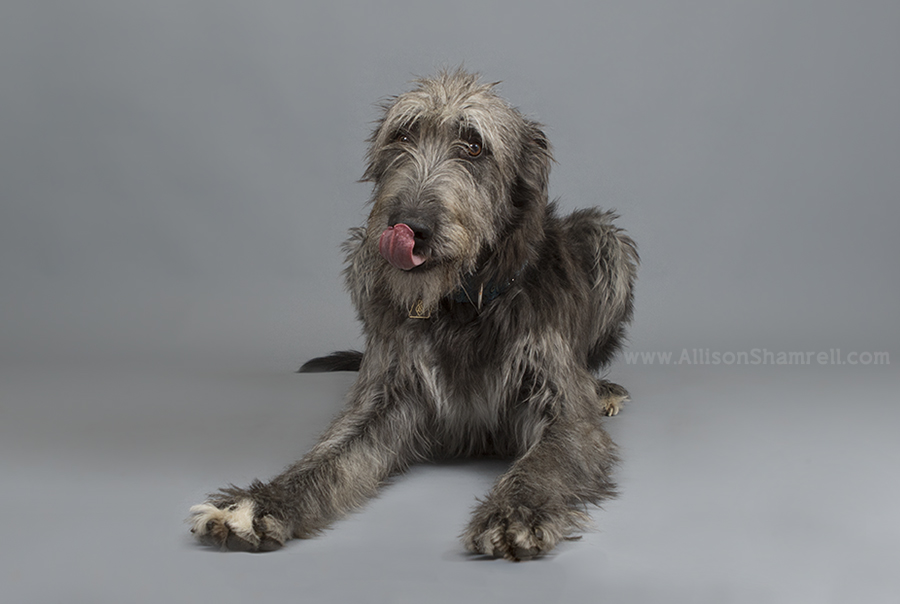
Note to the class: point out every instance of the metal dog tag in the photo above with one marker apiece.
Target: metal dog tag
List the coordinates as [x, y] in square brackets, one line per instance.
[418, 311]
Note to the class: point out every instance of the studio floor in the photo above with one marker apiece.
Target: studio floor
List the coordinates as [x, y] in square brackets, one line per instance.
[743, 484]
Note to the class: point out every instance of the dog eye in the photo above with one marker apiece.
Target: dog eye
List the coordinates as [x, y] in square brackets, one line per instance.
[473, 148]
[402, 137]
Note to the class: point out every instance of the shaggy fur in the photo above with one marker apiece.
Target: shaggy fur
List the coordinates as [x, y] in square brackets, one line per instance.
[488, 347]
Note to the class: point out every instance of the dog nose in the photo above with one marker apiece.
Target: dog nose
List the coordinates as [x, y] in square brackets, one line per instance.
[421, 232]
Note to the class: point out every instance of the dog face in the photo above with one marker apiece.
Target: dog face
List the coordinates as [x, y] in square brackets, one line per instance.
[457, 174]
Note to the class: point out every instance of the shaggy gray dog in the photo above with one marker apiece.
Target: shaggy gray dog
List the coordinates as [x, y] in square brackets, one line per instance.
[486, 317]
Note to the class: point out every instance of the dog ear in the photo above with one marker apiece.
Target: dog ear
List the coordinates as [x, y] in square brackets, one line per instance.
[375, 165]
[377, 162]
[528, 201]
[530, 188]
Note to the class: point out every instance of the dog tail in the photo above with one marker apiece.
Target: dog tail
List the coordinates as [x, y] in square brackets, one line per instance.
[343, 360]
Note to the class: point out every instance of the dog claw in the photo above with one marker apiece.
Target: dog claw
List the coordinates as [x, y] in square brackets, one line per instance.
[236, 527]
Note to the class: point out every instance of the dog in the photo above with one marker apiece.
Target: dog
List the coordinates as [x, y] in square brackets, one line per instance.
[486, 317]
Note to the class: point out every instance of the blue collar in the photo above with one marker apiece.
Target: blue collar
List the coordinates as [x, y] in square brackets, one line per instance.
[477, 293]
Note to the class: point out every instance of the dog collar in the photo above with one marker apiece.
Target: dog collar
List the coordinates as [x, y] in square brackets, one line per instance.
[473, 291]
[476, 292]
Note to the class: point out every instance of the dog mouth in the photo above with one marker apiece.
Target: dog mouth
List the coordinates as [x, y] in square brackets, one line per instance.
[397, 245]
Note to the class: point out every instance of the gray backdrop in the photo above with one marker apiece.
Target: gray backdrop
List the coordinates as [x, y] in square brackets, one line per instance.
[175, 182]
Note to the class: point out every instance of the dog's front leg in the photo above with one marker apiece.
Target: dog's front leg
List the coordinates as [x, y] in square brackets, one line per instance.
[542, 498]
[373, 438]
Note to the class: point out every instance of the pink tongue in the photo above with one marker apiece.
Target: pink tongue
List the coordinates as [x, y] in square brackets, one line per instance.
[396, 245]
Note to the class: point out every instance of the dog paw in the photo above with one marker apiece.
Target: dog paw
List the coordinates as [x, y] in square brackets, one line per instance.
[612, 397]
[237, 526]
[613, 404]
[512, 532]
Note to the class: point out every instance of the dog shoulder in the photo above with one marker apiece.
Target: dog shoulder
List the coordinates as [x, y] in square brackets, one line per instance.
[600, 246]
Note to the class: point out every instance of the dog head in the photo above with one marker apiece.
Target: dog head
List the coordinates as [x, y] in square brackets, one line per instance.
[460, 186]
